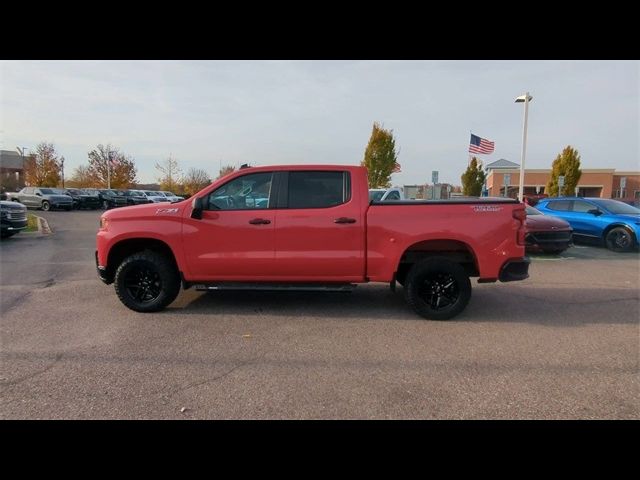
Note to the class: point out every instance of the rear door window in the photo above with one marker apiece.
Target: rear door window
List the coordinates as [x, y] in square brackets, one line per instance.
[560, 205]
[321, 189]
[582, 207]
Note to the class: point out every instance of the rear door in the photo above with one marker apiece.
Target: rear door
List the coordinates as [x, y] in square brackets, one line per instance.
[320, 228]
[234, 239]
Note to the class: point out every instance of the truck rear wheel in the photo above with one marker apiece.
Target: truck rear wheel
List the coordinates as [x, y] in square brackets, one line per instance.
[147, 281]
[437, 288]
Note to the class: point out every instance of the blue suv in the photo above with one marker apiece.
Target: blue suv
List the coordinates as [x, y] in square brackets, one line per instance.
[614, 223]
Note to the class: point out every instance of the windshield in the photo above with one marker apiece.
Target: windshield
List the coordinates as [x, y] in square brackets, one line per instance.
[617, 207]
[47, 191]
[532, 211]
[168, 194]
[376, 195]
[159, 194]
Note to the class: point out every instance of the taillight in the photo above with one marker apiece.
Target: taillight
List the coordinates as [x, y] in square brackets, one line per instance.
[520, 214]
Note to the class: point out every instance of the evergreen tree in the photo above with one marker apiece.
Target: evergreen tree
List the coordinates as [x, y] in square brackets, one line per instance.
[473, 179]
[567, 164]
[380, 157]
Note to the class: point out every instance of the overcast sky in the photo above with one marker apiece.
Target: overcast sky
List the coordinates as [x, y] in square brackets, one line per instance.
[271, 112]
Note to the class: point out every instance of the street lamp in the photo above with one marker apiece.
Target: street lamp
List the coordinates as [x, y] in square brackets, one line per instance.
[526, 98]
[21, 152]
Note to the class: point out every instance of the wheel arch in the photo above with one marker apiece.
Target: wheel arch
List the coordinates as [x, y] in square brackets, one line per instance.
[610, 227]
[124, 248]
[455, 250]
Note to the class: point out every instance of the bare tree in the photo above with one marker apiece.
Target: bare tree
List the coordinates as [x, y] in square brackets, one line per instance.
[170, 174]
[81, 178]
[227, 169]
[195, 180]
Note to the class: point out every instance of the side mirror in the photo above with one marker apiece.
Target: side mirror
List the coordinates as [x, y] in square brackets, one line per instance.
[38, 194]
[595, 211]
[197, 206]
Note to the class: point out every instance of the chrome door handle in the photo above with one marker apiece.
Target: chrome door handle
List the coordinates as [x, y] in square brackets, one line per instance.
[344, 220]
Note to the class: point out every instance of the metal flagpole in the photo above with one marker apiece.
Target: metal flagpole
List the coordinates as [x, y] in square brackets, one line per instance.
[109, 170]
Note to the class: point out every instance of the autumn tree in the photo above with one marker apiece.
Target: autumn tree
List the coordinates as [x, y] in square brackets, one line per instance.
[567, 164]
[170, 174]
[227, 169]
[42, 168]
[380, 157]
[195, 180]
[81, 178]
[473, 179]
[108, 162]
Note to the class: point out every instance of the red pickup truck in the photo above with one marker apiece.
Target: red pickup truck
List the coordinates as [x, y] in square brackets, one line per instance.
[310, 227]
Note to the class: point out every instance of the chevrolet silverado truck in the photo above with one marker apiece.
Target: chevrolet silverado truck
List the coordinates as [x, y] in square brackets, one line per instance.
[310, 227]
[45, 198]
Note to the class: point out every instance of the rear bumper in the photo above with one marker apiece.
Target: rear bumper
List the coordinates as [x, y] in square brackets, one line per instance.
[515, 269]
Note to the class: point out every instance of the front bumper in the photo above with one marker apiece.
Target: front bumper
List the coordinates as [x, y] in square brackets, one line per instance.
[515, 269]
[102, 272]
[13, 225]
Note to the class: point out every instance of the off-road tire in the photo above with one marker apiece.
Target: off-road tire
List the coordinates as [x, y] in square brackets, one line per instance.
[435, 280]
[149, 270]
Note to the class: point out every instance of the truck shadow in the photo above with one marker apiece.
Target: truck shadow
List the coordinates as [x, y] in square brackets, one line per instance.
[553, 306]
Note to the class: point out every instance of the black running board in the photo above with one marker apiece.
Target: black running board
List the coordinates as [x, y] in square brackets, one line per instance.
[282, 287]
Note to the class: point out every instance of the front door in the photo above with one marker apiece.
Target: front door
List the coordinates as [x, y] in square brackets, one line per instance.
[234, 239]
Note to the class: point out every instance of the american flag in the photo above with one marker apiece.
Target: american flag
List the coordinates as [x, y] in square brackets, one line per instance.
[113, 161]
[480, 145]
[396, 168]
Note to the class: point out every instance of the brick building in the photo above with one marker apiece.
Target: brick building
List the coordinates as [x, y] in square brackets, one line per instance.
[11, 170]
[594, 182]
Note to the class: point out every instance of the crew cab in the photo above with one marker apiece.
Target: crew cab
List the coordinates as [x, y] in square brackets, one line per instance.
[310, 227]
[45, 198]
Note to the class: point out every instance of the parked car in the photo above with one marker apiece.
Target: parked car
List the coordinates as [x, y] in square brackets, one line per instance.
[83, 199]
[546, 233]
[384, 194]
[111, 198]
[171, 196]
[316, 230]
[44, 198]
[13, 218]
[135, 197]
[609, 222]
[154, 196]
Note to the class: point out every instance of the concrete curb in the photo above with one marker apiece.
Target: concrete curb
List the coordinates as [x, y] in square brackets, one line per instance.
[43, 226]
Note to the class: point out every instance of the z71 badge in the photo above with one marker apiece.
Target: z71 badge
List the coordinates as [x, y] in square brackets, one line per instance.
[166, 210]
[486, 208]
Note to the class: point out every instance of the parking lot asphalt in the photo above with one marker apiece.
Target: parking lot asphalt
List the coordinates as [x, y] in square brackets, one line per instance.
[563, 344]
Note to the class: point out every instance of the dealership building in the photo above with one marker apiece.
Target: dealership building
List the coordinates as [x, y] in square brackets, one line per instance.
[594, 182]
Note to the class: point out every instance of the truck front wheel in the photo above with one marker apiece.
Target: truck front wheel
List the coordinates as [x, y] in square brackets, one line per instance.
[437, 288]
[147, 281]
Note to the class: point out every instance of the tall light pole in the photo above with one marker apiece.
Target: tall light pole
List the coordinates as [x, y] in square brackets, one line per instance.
[21, 152]
[62, 162]
[526, 98]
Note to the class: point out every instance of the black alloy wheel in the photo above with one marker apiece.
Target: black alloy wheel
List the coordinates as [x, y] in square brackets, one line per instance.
[437, 288]
[147, 281]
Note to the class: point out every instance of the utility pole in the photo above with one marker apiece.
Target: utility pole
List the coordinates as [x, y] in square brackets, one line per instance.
[108, 169]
